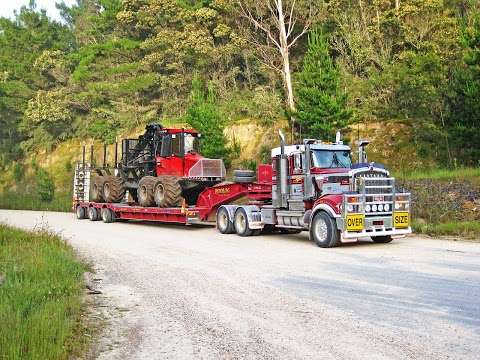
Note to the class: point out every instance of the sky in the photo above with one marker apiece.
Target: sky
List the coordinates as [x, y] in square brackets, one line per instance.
[8, 6]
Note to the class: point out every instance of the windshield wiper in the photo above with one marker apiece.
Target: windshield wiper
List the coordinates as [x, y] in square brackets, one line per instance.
[334, 160]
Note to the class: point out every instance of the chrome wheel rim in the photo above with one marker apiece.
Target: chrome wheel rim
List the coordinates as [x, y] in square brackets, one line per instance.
[222, 220]
[241, 223]
[321, 230]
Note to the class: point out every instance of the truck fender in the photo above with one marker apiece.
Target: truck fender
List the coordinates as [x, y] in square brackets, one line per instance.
[253, 221]
[322, 207]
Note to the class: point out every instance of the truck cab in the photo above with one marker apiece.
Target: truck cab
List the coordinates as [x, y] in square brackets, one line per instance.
[316, 187]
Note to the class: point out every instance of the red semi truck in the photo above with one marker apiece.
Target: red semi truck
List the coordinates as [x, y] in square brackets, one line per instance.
[312, 186]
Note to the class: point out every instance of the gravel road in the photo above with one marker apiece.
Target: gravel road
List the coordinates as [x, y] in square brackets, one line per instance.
[179, 292]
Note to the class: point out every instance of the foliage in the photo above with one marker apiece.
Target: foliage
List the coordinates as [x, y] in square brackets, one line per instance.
[45, 185]
[321, 108]
[40, 296]
[204, 117]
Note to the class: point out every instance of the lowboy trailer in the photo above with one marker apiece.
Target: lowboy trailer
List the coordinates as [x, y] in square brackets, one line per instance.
[311, 186]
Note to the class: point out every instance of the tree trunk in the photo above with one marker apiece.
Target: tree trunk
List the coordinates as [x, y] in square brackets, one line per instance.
[287, 75]
[397, 4]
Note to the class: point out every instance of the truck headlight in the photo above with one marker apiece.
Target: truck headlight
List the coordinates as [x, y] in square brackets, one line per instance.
[386, 207]
[397, 206]
[350, 208]
[374, 207]
[367, 208]
[380, 208]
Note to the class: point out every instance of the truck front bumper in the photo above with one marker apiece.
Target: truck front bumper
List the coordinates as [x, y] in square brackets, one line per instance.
[351, 236]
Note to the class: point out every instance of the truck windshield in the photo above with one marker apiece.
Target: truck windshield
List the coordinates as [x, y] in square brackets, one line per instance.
[331, 159]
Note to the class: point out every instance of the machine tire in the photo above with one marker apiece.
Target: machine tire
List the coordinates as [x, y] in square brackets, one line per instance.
[323, 230]
[244, 173]
[93, 214]
[167, 191]
[108, 216]
[145, 191]
[244, 179]
[241, 223]
[113, 189]
[96, 192]
[382, 239]
[224, 224]
[80, 212]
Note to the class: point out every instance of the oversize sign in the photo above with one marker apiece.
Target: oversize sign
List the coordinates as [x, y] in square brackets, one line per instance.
[401, 219]
[355, 222]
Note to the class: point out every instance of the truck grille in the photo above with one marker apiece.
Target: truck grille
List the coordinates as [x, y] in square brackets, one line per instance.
[379, 191]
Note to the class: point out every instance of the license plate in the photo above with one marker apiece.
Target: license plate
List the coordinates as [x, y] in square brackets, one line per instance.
[355, 222]
[401, 219]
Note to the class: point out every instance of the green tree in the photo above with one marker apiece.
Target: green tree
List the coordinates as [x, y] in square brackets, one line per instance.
[45, 185]
[203, 116]
[321, 108]
[463, 122]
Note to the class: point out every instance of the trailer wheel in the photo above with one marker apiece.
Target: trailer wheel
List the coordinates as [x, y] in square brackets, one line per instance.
[167, 191]
[224, 224]
[113, 189]
[108, 216]
[80, 212]
[241, 223]
[323, 230]
[145, 191]
[96, 192]
[93, 214]
[382, 239]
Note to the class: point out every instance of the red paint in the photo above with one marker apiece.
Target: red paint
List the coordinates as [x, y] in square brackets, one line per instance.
[333, 201]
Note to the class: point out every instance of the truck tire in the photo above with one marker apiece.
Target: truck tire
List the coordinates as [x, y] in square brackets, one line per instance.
[113, 189]
[167, 192]
[96, 192]
[244, 179]
[244, 173]
[145, 191]
[240, 222]
[80, 212]
[108, 216]
[323, 230]
[382, 239]
[93, 214]
[224, 224]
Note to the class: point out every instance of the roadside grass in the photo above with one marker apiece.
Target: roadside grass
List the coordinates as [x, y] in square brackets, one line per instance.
[471, 175]
[41, 284]
[21, 201]
[465, 229]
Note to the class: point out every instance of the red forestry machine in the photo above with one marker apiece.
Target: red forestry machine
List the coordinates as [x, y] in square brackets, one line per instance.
[161, 168]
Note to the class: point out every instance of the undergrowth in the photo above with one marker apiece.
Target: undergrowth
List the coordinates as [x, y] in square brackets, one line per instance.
[40, 296]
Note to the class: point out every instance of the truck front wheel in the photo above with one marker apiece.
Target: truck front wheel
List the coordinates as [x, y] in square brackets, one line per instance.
[323, 230]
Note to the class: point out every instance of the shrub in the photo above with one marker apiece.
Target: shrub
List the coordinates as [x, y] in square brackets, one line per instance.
[45, 185]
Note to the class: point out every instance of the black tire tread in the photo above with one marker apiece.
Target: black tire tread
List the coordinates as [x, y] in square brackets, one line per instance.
[149, 182]
[382, 239]
[244, 173]
[96, 190]
[117, 189]
[333, 239]
[173, 191]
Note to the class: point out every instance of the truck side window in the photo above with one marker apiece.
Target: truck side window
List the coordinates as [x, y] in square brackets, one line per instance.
[297, 162]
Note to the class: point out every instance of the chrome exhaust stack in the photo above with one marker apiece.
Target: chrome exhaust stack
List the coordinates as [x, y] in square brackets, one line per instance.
[282, 173]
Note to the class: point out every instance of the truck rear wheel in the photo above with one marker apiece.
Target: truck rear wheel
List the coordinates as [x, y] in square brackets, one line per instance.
[167, 192]
[323, 230]
[108, 215]
[224, 224]
[80, 212]
[241, 223]
[93, 214]
[382, 239]
[96, 192]
[113, 189]
[145, 191]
